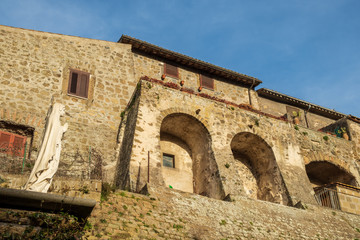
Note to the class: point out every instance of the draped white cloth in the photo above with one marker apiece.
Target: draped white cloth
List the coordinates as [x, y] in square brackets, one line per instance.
[48, 159]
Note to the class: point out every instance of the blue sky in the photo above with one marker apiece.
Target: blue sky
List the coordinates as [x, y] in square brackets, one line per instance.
[309, 49]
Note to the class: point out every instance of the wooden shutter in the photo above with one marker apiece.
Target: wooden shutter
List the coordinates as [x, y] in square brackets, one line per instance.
[207, 82]
[18, 145]
[12, 143]
[79, 83]
[83, 85]
[171, 70]
[4, 141]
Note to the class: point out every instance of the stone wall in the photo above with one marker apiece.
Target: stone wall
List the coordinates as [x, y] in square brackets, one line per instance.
[22, 224]
[126, 142]
[312, 121]
[86, 188]
[180, 176]
[34, 74]
[292, 147]
[154, 68]
[349, 199]
[170, 214]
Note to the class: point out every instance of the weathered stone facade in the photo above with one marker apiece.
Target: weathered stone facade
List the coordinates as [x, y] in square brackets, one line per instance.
[224, 142]
[169, 214]
[34, 70]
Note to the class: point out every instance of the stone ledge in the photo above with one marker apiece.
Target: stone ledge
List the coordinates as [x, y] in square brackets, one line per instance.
[45, 202]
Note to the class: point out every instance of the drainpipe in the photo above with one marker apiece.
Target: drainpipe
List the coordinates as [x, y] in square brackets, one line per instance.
[148, 180]
[306, 120]
[249, 92]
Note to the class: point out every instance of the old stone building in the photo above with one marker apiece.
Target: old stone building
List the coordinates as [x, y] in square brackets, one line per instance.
[141, 116]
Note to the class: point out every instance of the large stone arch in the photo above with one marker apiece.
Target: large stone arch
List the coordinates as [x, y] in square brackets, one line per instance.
[322, 169]
[257, 167]
[324, 172]
[187, 138]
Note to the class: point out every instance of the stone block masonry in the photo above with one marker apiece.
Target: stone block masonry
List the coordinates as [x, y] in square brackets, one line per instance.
[170, 214]
[217, 142]
[34, 74]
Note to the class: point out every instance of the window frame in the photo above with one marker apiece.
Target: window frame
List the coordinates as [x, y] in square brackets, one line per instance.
[78, 90]
[169, 74]
[173, 160]
[207, 87]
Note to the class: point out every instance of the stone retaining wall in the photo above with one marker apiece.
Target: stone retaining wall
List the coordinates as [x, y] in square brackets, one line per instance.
[169, 214]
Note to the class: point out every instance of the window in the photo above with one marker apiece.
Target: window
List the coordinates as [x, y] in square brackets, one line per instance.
[12, 143]
[171, 70]
[168, 160]
[206, 82]
[78, 83]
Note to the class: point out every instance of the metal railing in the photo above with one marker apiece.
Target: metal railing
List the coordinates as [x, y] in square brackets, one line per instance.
[328, 197]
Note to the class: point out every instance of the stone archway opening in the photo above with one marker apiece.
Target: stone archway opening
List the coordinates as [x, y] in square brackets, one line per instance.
[188, 162]
[257, 168]
[323, 172]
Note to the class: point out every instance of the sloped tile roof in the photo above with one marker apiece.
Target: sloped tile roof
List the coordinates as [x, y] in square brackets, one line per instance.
[283, 98]
[190, 62]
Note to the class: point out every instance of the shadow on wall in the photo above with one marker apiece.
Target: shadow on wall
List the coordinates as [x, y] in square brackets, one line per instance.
[190, 143]
[323, 172]
[257, 168]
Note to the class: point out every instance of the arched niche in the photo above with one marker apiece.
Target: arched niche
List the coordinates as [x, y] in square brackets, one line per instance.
[257, 168]
[323, 172]
[188, 142]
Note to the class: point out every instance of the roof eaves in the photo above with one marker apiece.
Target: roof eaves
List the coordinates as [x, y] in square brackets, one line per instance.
[189, 61]
[274, 95]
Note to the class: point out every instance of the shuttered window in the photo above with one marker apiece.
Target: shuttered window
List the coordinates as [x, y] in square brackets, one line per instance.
[12, 143]
[171, 70]
[78, 83]
[207, 82]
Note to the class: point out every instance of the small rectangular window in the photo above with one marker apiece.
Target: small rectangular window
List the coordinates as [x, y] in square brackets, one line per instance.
[78, 83]
[168, 160]
[171, 70]
[207, 82]
[12, 144]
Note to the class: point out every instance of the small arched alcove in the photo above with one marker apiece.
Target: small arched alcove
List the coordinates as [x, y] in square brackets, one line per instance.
[323, 172]
[257, 168]
[188, 162]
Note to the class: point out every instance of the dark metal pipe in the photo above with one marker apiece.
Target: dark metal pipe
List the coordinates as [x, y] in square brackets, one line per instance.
[148, 166]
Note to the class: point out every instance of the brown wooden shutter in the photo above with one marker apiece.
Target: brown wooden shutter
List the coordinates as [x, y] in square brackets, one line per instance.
[207, 82]
[4, 141]
[18, 145]
[171, 70]
[12, 144]
[79, 83]
[83, 85]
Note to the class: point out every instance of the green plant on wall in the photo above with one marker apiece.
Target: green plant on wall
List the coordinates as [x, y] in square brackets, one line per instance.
[50, 226]
[84, 189]
[296, 114]
[222, 222]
